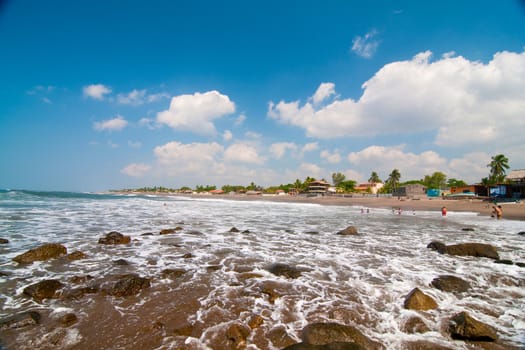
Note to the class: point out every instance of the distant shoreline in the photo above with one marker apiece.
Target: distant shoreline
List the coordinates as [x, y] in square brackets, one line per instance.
[511, 211]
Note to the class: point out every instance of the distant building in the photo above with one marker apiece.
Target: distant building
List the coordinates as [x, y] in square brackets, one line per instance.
[369, 187]
[411, 191]
[476, 190]
[318, 187]
[516, 183]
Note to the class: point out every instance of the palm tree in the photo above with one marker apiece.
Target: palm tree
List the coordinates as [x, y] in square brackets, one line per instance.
[498, 166]
[393, 179]
[374, 178]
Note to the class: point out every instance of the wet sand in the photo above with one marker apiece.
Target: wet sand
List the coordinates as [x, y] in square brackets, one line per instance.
[511, 211]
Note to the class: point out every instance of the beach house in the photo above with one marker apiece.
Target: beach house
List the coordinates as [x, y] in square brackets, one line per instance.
[318, 188]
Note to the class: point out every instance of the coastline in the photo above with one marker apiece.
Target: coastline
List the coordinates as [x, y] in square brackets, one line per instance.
[511, 210]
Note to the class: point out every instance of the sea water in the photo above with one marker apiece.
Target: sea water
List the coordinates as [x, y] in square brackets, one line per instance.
[356, 280]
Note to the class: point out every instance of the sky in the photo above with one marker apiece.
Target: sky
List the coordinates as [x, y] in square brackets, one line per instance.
[98, 95]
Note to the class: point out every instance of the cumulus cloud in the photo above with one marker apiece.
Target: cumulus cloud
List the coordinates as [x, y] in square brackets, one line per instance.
[136, 169]
[463, 103]
[139, 97]
[324, 91]
[310, 147]
[365, 46]
[243, 153]
[279, 149]
[114, 124]
[179, 158]
[312, 170]
[332, 158]
[227, 135]
[195, 113]
[96, 91]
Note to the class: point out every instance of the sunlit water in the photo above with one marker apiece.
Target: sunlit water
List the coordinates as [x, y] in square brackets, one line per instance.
[357, 280]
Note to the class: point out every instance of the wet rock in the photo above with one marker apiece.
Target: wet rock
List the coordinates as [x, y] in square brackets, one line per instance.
[522, 233]
[42, 253]
[24, 319]
[467, 229]
[212, 268]
[168, 231]
[187, 256]
[195, 233]
[520, 264]
[114, 237]
[349, 231]
[172, 273]
[45, 289]
[120, 262]
[448, 283]
[184, 331]
[236, 335]
[68, 320]
[127, 285]
[423, 345]
[279, 337]
[481, 250]
[147, 234]
[234, 229]
[330, 346]
[284, 270]
[326, 333]
[77, 293]
[76, 255]
[464, 327]
[4, 241]
[504, 262]
[246, 231]
[414, 325]
[80, 279]
[417, 300]
[255, 321]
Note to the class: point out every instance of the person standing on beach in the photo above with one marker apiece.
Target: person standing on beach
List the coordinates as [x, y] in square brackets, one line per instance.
[498, 211]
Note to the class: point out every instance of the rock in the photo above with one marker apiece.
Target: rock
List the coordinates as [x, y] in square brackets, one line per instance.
[330, 346]
[466, 249]
[80, 279]
[4, 241]
[24, 319]
[236, 336]
[284, 270]
[349, 231]
[168, 231]
[76, 255]
[326, 333]
[423, 345]
[234, 229]
[448, 283]
[255, 321]
[279, 337]
[45, 289]
[504, 261]
[129, 285]
[464, 327]
[120, 262]
[172, 273]
[114, 237]
[417, 300]
[414, 325]
[42, 253]
[68, 320]
[520, 264]
[522, 233]
[467, 229]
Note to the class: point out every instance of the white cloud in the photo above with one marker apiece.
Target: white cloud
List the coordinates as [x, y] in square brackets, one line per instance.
[365, 46]
[139, 97]
[311, 169]
[96, 91]
[196, 112]
[240, 119]
[179, 158]
[243, 153]
[279, 149]
[227, 135]
[252, 135]
[117, 123]
[134, 144]
[332, 158]
[324, 91]
[136, 169]
[310, 147]
[464, 103]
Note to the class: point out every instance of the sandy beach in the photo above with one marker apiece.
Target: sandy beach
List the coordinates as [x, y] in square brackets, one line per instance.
[511, 210]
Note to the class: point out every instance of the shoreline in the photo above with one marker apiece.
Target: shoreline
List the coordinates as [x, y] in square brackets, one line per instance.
[511, 210]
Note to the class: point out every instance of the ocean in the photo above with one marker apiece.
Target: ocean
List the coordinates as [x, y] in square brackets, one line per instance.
[223, 276]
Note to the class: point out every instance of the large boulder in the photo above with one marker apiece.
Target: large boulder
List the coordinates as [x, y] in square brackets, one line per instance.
[449, 283]
[42, 253]
[481, 250]
[45, 289]
[127, 285]
[464, 327]
[417, 300]
[24, 319]
[327, 333]
[114, 237]
[349, 231]
[4, 241]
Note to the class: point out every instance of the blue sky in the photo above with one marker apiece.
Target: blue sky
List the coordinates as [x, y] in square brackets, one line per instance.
[98, 95]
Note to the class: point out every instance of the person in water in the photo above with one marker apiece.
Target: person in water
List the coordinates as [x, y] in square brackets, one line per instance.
[444, 211]
[497, 212]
